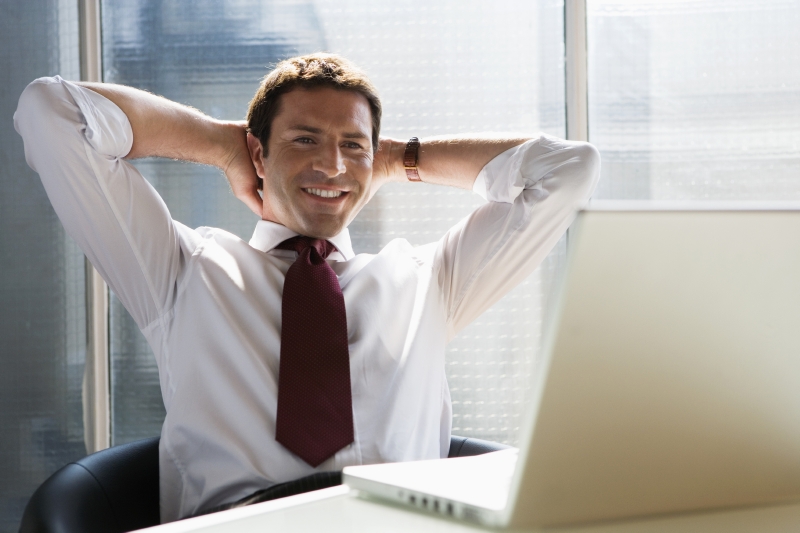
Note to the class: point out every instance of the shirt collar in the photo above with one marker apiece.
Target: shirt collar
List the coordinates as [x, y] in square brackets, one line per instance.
[268, 235]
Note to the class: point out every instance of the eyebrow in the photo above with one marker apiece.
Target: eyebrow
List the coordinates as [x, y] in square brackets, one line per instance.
[312, 129]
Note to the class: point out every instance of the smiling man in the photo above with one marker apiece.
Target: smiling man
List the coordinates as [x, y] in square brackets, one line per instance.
[290, 356]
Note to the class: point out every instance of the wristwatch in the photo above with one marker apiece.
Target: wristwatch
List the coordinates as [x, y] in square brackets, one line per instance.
[411, 158]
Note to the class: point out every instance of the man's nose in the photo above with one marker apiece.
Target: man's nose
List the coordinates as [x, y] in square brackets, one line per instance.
[329, 161]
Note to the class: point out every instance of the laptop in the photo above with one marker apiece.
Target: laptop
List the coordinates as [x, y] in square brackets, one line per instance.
[669, 379]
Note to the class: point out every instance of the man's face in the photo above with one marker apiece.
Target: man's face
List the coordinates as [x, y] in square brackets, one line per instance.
[318, 169]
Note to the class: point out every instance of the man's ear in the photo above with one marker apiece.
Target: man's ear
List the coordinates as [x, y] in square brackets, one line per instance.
[256, 153]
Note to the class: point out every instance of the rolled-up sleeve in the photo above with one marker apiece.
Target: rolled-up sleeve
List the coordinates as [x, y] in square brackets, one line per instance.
[533, 192]
[75, 140]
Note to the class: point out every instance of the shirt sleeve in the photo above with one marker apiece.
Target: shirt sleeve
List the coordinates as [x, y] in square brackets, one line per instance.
[75, 140]
[534, 191]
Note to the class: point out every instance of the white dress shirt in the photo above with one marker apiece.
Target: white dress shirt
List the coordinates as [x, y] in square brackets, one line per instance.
[209, 303]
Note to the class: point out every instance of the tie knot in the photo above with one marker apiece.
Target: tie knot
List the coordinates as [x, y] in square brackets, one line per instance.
[301, 243]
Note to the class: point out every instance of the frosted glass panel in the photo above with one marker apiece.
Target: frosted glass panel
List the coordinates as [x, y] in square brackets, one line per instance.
[42, 300]
[443, 67]
[461, 66]
[696, 100]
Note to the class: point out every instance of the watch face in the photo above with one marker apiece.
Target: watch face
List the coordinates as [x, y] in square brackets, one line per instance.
[410, 155]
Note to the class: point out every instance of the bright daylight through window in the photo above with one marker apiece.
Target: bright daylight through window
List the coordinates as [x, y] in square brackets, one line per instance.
[687, 100]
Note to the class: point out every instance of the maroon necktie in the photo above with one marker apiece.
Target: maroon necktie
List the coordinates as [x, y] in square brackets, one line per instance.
[315, 406]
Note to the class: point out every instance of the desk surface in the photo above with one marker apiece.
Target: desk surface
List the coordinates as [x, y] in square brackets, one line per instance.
[336, 510]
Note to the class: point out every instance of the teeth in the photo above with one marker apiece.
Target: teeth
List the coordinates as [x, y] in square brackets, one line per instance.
[324, 193]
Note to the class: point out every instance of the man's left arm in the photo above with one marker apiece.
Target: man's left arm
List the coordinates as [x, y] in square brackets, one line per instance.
[454, 161]
[534, 188]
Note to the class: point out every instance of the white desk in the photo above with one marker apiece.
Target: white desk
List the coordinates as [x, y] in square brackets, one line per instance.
[335, 510]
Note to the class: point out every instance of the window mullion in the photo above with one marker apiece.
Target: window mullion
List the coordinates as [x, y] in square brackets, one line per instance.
[576, 70]
[96, 385]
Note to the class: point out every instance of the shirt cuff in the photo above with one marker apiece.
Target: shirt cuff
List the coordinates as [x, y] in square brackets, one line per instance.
[108, 129]
[500, 180]
[479, 187]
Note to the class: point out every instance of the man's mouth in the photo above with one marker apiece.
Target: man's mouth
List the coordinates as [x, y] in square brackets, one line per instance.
[324, 193]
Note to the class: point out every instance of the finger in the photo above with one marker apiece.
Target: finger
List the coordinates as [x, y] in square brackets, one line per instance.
[255, 203]
[248, 194]
[253, 200]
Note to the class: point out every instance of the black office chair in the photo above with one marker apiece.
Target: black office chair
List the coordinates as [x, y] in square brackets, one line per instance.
[116, 490]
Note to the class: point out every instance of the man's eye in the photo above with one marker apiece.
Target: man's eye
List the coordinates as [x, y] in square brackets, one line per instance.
[353, 145]
[304, 140]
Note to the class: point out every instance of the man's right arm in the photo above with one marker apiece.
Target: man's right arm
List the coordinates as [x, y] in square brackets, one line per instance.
[162, 128]
[76, 139]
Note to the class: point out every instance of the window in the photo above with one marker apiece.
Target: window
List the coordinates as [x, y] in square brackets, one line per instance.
[461, 66]
[42, 289]
[695, 100]
[687, 100]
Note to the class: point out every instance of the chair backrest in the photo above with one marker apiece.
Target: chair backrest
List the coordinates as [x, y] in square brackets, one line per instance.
[116, 490]
[112, 491]
[466, 446]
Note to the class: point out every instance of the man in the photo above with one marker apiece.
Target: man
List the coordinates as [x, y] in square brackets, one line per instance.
[250, 338]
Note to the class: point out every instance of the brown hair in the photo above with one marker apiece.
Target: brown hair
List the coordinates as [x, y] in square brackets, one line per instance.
[308, 72]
